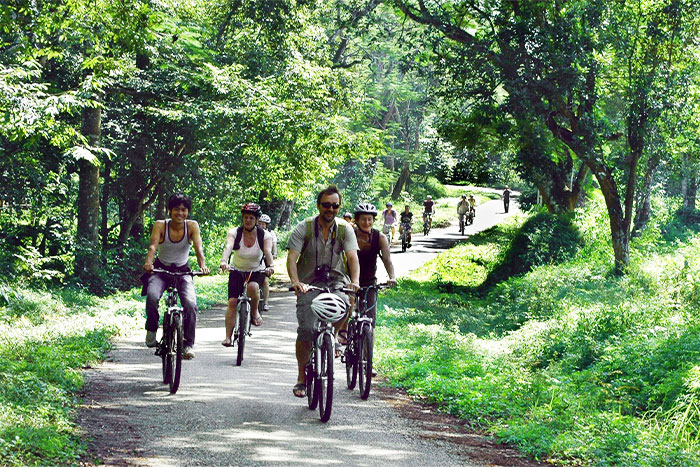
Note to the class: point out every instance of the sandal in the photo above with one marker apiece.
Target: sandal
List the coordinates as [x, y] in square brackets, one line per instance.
[299, 389]
[227, 343]
[257, 321]
[343, 337]
[339, 349]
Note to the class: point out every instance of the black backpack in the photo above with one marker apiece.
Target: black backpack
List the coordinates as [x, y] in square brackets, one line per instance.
[239, 235]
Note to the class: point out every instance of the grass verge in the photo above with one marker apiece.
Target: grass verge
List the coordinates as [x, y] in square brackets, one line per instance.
[567, 361]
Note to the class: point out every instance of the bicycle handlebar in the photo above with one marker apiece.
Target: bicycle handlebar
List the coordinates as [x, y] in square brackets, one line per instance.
[326, 289]
[178, 273]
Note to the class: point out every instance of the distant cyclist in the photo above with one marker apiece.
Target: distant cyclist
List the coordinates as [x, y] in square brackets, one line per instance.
[264, 223]
[472, 204]
[172, 238]
[428, 210]
[506, 198]
[405, 222]
[390, 217]
[252, 256]
[463, 208]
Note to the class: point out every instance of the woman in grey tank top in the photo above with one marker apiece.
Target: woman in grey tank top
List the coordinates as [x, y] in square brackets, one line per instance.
[172, 238]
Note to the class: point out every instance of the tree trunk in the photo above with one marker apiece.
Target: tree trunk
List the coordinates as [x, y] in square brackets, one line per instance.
[619, 229]
[104, 202]
[87, 258]
[643, 212]
[689, 187]
[286, 215]
[398, 188]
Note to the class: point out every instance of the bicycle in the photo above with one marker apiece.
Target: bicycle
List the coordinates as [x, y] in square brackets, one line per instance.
[461, 223]
[470, 216]
[242, 325]
[405, 231]
[170, 346]
[359, 351]
[387, 230]
[319, 369]
[427, 221]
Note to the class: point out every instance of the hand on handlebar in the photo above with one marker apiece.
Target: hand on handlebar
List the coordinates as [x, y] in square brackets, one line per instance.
[224, 267]
[391, 282]
[300, 287]
[205, 270]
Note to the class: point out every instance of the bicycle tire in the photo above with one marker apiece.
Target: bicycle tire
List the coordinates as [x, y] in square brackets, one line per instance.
[311, 387]
[404, 242]
[351, 358]
[461, 226]
[324, 380]
[365, 355]
[176, 342]
[165, 351]
[243, 316]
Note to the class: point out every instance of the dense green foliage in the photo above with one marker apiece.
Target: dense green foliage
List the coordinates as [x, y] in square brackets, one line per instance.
[568, 361]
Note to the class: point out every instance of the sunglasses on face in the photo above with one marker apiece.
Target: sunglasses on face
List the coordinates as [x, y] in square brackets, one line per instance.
[327, 204]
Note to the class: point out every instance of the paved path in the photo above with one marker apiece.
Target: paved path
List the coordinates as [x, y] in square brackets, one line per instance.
[228, 415]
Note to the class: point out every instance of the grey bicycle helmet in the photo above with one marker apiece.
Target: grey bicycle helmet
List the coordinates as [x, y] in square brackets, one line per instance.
[365, 208]
[329, 307]
[265, 218]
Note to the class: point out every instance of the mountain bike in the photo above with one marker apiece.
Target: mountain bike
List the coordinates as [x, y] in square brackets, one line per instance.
[319, 369]
[241, 327]
[170, 346]
[470, 216]
[405, 231]
[427, 221]
[359, 351]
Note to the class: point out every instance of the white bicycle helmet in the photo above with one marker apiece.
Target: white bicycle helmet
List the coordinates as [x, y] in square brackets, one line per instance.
[265, 218]
[365, 208]
[329, 307]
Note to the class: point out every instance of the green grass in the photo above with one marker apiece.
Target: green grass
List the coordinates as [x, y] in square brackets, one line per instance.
[46, 338]
[565, 360]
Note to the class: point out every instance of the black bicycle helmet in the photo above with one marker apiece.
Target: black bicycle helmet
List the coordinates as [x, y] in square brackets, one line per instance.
[365, 208]
[251, 208]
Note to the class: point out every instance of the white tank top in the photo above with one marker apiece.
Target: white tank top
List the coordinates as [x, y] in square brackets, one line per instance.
[249, 258]
[174, 253]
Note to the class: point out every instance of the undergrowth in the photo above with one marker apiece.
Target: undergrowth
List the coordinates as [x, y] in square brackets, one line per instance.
[558, 356]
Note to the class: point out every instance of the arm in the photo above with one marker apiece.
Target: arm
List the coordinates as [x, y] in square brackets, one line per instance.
[198, 249]
[228, 248]
[269, 261]
[156, 234]
[386, 259]
[292, 258]
[353, 269]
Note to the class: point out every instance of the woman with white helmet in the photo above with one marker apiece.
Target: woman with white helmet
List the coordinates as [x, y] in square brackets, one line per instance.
[264, 223]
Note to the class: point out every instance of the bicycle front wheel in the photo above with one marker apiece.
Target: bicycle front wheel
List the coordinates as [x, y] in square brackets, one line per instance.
[165, 351]
[365, 352]
[175, 353]
[243, 317]
[324, 380]
[311, 387]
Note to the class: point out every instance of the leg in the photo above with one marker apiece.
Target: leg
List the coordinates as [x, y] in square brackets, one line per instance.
[305, 331]
[230, 318]
[265, 292]
[303, 352]
[188, 299]
[156, 287]
[254, 294]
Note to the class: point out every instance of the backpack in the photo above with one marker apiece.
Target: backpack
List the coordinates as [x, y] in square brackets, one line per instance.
[239, 235]
[340, 237]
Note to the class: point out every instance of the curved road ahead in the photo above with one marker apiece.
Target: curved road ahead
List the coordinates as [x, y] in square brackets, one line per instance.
[228, 415]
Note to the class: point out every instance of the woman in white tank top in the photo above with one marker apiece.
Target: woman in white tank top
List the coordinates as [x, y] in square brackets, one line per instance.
[249, 259]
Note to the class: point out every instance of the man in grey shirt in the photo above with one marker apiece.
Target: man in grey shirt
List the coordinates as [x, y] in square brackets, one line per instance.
[318, 249]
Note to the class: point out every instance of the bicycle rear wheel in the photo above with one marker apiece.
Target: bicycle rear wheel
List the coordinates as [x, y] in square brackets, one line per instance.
[324, 380]
[243, 316]
[311, 387]
[365, 354]
[404, 242]
[461, 226]
[351, 358]
[175, 353]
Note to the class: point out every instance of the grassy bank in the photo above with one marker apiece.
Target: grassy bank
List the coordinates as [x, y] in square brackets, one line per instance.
[567, 361]
[46, 338]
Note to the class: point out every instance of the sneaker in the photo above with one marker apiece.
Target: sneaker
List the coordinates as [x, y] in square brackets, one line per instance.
[374, 372]
[265, 307]
[151, 340]
[188, 353]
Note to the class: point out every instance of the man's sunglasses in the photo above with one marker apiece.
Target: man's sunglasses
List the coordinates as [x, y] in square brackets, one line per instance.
[327, 204]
